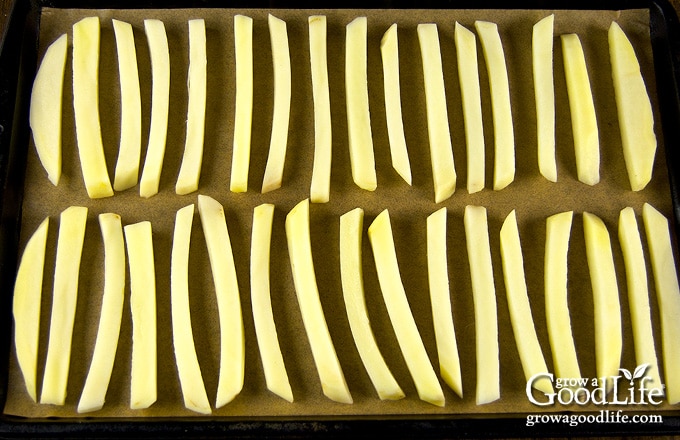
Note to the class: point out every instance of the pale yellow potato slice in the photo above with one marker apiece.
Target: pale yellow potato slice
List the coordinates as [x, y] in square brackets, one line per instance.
[351, 272]
[26, 306]
[440, 297]
[484, 298]
[558, 231]
[190, 170]
[232, 340]
[144, 371]
[108, 332]
[358, 116]
[441, 150]
[636, 120]
[468, 77]
[86, 108]
[399, 311]
[544, 95]
[260, 296]
[160, 103]
[389, 50]
[501, 111]
[607, 308]
[323, 135]
[522, 321]
[130, 148]
[582, 108]
[638, 295]
[188, 369]
[243, 113]
[72, 224]
[273, 173]
[325, 358]
[45, 114]
[668, 295]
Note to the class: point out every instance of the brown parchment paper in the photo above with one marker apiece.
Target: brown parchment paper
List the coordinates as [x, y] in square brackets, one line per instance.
[531, 195]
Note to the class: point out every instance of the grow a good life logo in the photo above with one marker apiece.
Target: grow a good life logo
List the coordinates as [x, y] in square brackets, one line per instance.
[628, 388]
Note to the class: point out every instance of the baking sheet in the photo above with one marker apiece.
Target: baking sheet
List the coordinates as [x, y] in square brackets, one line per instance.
[532, 196]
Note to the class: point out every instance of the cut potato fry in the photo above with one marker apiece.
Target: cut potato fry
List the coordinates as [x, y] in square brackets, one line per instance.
[130, 147]
[358, 116]
[399, 311]
[190, 170]
[72, 224]
[441, 150]
[468, 74]
[321, 172]
[484, 298]
[260, 295]
[273, 173]
[544, 94]
[440, 297]
[558, 230]
[302, 265]
[351, 271]
[190, 378]
[521, 318]
[86, 108]
[26, 306]
[607, 308]
[232, 340]
[389, 49]
[583, 118]
[638, 295]
[108, 332]
[240, 160]
[636, 120]
[160, 103]
[144, 371]
[668, 295]
[45, 112]
[503, 132]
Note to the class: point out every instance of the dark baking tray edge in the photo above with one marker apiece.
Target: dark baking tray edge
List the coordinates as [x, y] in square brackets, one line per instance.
[18, 53]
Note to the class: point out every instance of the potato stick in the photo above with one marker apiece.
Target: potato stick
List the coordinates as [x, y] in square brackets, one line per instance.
[26, 306]
[302, 265]
[351, 271]
[190, 378]
[86, 108]
[440, 297]
[484, 297]
[358, 116]
[108, 332]
[441, 151]
[263, 317]
[522, 321]
[668, 295]
[399, 311]
[130, 147]
[582, 108]
[243, 118]
[190, 170]
[72, 224]
[273, 173]
[504, 138]
[389, 49]
[321, 172]
[232, 341]
[638, 295]
[544, 94]
[144, 371]
[468, 74]
[45, 114]
[160, 103]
